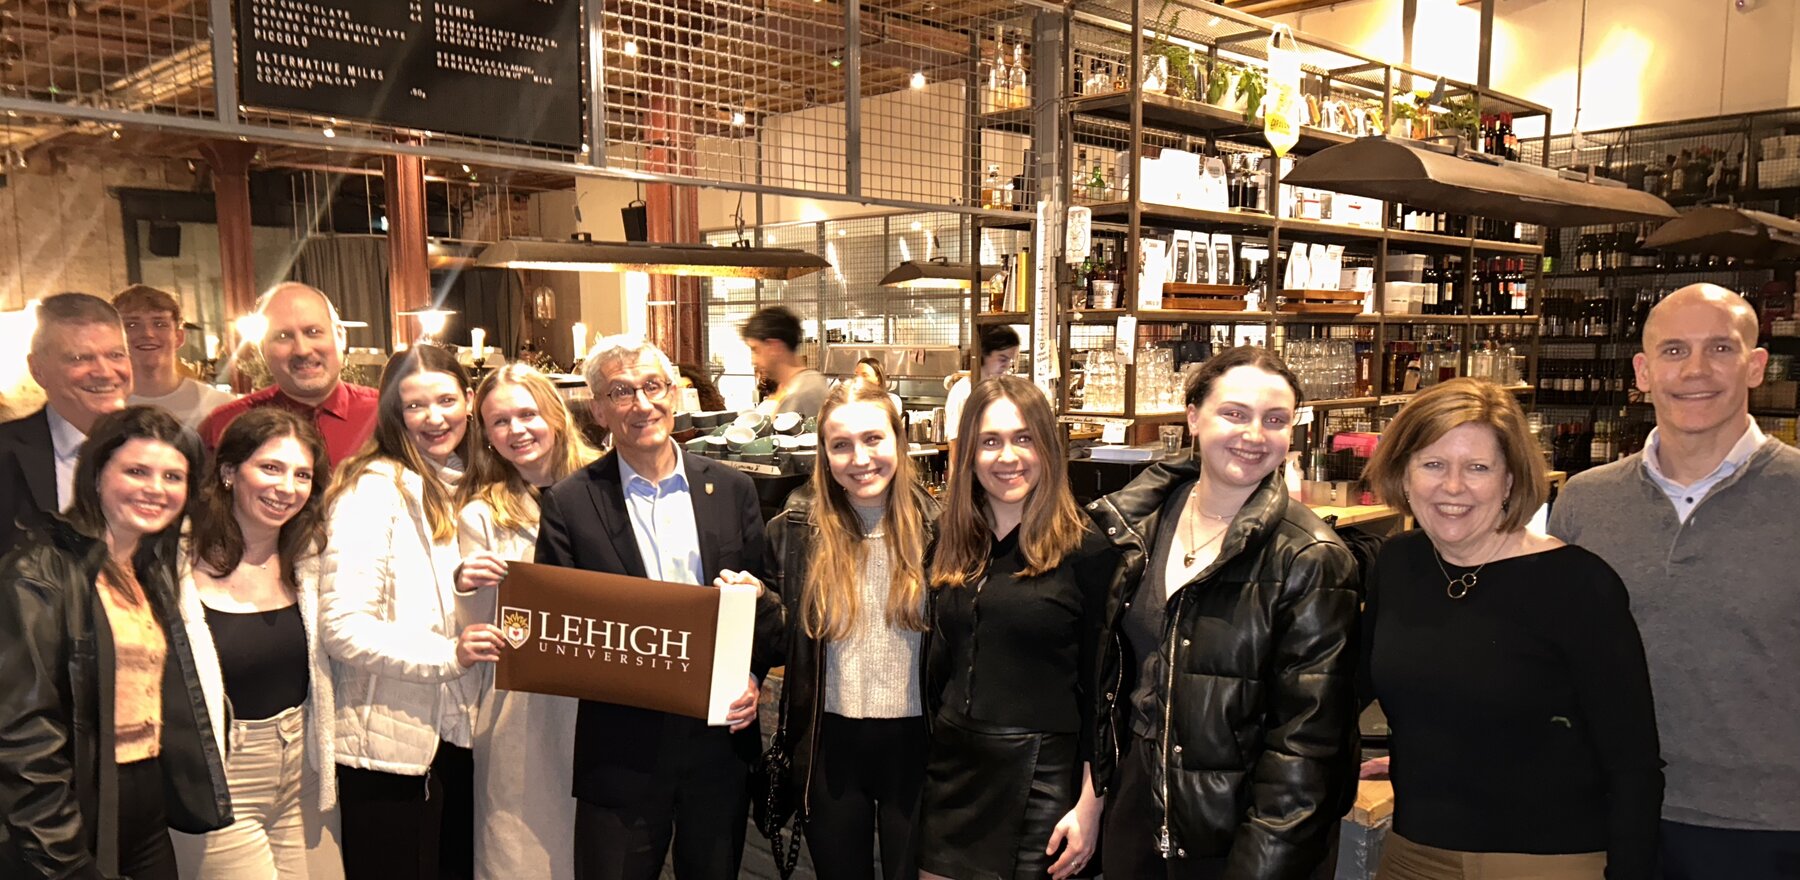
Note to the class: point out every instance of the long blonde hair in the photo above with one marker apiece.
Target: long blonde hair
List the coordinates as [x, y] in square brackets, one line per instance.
[829, 599]
[1051, 527]
[493, 479]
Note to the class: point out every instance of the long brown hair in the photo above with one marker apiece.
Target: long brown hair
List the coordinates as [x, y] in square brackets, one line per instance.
[217, 541]
[829, 599]
[493, 479]
[391, 441]
[86, 514]
[1051, 527]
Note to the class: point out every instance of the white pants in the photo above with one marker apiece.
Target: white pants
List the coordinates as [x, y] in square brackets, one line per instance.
[277, 832]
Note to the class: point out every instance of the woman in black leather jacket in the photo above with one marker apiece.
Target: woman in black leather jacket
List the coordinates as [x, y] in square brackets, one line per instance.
[848, 553]
[92, 780]
[1227, 660]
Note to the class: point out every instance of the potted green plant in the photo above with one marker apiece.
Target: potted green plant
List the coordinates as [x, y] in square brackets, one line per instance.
[1168, 66]
[1462, 116]
[1252, 87]
[1222, 84]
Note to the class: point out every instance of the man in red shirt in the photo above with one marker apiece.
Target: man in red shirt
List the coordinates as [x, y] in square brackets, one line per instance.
[304, 348]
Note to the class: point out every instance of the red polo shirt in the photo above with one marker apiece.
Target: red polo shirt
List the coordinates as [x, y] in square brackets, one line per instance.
[345, 419]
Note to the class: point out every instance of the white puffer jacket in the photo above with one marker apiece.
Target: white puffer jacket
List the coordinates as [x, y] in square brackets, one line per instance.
[387, 612]
[319, 704]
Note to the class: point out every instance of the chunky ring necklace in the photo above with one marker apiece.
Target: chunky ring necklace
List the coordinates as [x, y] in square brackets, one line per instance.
[1459, 586]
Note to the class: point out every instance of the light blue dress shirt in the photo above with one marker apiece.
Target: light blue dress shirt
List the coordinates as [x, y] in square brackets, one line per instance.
[1686, 498]
[662, 519]
[65, 442]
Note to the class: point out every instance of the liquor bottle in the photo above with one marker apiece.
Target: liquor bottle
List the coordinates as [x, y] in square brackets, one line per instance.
[1678, 173]
[1521, 296]
[991, 195]
[1018, 82]
[991, 95]
[1097, 188]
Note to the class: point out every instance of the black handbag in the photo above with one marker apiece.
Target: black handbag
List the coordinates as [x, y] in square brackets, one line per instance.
[772, 805]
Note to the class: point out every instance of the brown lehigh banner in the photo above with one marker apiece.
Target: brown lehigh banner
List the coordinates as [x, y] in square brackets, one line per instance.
[657, 645]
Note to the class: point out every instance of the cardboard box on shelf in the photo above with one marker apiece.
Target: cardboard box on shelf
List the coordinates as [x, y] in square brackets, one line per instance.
[1406, 267]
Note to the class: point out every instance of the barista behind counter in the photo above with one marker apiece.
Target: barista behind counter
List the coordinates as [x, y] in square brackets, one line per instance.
[773, 334]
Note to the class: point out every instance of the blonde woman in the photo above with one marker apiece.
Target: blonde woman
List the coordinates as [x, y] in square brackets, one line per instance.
[524, 743]
[848, 554]
[405, 717]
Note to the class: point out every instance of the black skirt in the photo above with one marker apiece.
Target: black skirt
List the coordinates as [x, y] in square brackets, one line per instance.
[992, 797]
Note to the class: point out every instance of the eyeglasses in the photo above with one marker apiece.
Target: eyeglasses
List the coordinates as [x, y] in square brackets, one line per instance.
[654, 390]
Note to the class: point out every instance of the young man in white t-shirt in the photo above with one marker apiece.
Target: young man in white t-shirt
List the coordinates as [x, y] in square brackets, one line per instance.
[154, 334]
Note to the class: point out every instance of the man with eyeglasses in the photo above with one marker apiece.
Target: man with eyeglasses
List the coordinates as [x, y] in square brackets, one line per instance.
[304, 348]
[155, 333]
[646, 781]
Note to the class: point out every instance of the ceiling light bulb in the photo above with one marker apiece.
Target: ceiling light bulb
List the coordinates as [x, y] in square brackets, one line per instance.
[465, 169]
[918, 79]
[916, 226]
[737, 119]
[116, 134]
[329, 132]
[631, 47]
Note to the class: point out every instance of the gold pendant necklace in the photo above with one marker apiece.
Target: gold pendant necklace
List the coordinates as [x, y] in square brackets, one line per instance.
[1458, 587]
[1194, 552]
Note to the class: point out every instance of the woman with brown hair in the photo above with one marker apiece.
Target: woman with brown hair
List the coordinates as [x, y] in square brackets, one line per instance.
[848, 554]
[1228, 713]
[524, 743]
[1508, 664]
[405, 711]
[250, 600]
[1018, 581]
[105, 739]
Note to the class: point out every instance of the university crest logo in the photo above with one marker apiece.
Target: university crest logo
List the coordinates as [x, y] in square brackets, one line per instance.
[515, 625]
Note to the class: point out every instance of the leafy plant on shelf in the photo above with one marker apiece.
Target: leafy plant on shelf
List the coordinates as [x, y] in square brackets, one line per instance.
[1253, 86]
[1179, 58]
[1221, 80]
[1462, 116]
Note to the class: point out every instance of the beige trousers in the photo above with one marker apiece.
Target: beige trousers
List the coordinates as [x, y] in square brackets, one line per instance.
[277, 832]
[1401, 859]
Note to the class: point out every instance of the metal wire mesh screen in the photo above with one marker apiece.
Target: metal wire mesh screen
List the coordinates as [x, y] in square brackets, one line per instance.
[144, 57]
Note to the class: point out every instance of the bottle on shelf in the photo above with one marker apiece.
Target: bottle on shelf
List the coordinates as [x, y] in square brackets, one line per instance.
[992, 93]
[992, 196]
[1018, 82]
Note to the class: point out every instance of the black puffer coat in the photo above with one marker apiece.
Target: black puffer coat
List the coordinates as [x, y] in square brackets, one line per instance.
[1259, 702]
[792, 537]
[58, 790]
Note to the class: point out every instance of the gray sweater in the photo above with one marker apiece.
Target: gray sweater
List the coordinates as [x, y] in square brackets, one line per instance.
[1718, 606]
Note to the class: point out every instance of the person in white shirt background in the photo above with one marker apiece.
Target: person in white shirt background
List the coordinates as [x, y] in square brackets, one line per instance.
[155, 334]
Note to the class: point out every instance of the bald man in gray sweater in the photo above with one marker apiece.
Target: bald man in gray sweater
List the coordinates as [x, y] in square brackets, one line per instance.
[1700, 525]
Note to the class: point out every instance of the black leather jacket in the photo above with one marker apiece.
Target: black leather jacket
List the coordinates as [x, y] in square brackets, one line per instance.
[58, 791]
[1259, 714]
[792, 536]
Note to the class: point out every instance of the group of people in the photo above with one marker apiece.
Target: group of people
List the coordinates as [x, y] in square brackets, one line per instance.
[279, 646]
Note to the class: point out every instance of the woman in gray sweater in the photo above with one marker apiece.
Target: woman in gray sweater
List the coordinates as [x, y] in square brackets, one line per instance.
[849, 552]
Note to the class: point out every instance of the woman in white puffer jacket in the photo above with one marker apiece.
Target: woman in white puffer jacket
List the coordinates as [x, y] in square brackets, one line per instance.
[405, 713]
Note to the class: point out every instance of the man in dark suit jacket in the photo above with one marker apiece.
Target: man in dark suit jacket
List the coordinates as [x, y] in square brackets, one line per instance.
[78, 356]
[643, 779]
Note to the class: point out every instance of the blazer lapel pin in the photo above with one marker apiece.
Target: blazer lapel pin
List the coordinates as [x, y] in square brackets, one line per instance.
[709, 488]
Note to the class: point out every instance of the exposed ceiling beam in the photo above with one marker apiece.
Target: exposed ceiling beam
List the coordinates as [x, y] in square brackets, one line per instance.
[1267, 8]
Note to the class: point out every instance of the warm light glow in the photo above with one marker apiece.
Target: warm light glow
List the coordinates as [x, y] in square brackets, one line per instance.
[916, 226]
[431, 321]
[631, 48]
[918, 79]
[251, 328]
[737, 119]
[478, 342]
[329, 132]
[212, 346]
[580, 334]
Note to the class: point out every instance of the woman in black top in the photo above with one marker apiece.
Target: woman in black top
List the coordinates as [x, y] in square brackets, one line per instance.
[1230, 682]
[250, 600]
[105, 743]
[1017, 581]
[1524, 741]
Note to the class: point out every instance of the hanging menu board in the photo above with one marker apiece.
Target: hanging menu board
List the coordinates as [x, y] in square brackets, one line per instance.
[503, 69]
